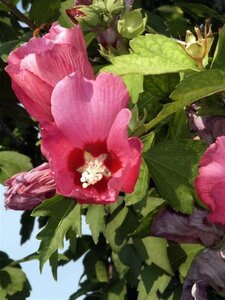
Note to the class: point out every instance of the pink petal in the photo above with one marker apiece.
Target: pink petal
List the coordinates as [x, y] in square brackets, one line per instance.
[55, 64]
[86, 109]
[33, 94]
[128, 150]
[57, 149]
[72, 36]
[37, 66]
[210, 184]
[53, 139]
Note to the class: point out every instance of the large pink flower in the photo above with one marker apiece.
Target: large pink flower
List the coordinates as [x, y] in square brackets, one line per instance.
[26, 190]
[89, 151]
[210, 184]
[37, 66]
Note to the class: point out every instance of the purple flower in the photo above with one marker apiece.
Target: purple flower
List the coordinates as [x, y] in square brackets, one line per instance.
[187, 229]
[207, 270]
[207, 127]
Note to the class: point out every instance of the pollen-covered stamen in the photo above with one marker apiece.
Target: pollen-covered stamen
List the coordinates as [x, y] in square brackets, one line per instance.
[93, 170]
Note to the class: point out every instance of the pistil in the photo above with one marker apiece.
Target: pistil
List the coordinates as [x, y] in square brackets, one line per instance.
[93, 170]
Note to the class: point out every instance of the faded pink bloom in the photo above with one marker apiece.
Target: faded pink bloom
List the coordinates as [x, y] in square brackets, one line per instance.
[37, 66]
[26, 190]
[210, 184]
[89, 151]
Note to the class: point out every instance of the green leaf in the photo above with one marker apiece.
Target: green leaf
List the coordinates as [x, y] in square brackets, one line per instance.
[27, 226]
[63, 19]
[44, 11]
[148, 140]
[12, 162]
[153, 280]
[179, 126]
[191, 89]
[161, 85]
[7, 47]
[96, 219]
[63, 214]
[116, 292]
[134, 83]
[152, 54]
[141, 186]
[199, 85]
[17, 279]
[118, 229]
[53, 261]
[128, 263]
[173, 165]
[148, 210]
[181, 256]
[200, 10]
[101, 272]
[154, 250]
[218, 59]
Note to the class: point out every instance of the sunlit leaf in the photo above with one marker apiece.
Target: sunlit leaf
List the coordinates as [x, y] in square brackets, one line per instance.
[63, 214]
[152, 54]
[173, 165]
[12, 162]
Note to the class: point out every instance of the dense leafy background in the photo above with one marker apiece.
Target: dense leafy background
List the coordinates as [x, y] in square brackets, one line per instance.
[121, 258]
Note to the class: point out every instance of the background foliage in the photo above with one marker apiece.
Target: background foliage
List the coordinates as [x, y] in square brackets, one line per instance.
[122, 260]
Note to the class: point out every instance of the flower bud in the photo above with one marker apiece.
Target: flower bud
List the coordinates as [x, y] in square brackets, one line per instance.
[86, 16]
[108, 38]
[198, 46]
[26, 190]
[131, 24]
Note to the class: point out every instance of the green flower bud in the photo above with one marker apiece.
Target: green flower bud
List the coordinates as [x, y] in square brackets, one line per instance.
[198, 46]
[87, 17]
[131, 24]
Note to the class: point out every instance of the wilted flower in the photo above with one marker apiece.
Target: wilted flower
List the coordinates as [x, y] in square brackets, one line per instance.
[198, 48]
[26, 190]
[207, 127]
[207, 270]
[88, 149]
[187, 229]
[37, 66]
[210, 184]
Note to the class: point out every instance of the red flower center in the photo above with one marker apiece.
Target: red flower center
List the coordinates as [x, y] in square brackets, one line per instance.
[93, 165]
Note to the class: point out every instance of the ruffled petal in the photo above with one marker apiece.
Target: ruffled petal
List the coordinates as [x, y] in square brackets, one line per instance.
[84, 110]
[54, 64]
[128, 150]
[72, 36]
[210, 184]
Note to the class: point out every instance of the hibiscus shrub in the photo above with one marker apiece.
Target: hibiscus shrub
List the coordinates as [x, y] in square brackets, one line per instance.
[113, 113]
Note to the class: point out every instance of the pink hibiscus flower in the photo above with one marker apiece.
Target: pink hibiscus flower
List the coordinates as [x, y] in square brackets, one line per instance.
[210, 184]
[88, 149]
[26, 190]
[37, 66]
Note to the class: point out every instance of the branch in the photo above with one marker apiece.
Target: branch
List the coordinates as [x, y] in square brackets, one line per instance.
[18, 14]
